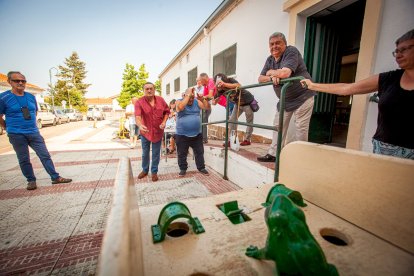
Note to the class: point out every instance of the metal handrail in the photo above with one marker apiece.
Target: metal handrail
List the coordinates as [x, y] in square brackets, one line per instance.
[286, 83]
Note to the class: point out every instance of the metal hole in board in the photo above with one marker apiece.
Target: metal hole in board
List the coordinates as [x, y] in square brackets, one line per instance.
[335, 237]
[177, 229]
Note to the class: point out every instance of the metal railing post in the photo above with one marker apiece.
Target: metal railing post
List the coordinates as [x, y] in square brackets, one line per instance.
[226, 143]
[286, 83]
[280, 130]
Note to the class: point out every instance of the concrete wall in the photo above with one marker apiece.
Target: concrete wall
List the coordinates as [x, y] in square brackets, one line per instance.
[248, 25]
[251, 22]
[198, 57]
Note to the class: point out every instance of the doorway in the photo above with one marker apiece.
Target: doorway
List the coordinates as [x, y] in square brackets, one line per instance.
[332, 45]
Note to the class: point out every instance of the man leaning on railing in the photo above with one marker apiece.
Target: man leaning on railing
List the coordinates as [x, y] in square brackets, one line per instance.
[284, 62]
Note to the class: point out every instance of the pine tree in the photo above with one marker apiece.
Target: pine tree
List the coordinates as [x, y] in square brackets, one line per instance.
[70, 86]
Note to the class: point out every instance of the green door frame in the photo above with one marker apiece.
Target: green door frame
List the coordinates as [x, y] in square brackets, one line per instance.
[323, 63]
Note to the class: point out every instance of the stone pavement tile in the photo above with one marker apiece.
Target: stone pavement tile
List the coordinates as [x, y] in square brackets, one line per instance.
[85, 267]
[110, 171]
[80, 255]
[46, 217]
[96, 212]
[12, 180]
[8, 161]
[7, 207]
[65, 223]
[167, 191]
[100, 201]
[83, 173]
[90, 223]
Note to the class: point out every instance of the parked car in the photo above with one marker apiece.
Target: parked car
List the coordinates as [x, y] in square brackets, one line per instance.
[45, 115]
[74, 115]
[61, 117]
[95, 112]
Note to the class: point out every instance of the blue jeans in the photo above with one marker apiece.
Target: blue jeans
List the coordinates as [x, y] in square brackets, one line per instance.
[156, 152]
[21, 144]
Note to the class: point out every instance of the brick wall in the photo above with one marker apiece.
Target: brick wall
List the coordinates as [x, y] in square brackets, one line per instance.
[216, 132]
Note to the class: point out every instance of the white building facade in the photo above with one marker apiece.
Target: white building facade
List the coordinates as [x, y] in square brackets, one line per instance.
[238, 31]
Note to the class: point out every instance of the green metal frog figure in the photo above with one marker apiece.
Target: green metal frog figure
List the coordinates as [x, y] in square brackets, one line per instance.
[289, 242]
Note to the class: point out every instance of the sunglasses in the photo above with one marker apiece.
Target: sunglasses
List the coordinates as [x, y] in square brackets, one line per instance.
[18, 81]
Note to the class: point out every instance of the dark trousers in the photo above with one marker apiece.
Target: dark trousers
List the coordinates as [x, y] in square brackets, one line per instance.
[183, 144]
[21, 144]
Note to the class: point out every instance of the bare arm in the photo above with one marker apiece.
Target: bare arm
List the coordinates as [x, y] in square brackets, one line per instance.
[203, 103]
[280, 73]
[263, 78]
[138, 122]
[275, 74]
[164, 120]
[2, 122]
[180, 105]
[228, 85]
[360, 87]
[128, 114]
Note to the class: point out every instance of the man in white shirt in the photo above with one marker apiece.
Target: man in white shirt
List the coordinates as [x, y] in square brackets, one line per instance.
[133, 128]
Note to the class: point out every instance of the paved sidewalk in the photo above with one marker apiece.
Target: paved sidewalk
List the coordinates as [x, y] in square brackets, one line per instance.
[58, 229]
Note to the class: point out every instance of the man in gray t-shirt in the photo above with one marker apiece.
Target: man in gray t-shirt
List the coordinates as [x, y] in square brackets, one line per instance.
[285, 62]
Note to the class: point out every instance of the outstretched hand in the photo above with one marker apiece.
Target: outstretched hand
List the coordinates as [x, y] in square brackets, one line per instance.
[306, 83]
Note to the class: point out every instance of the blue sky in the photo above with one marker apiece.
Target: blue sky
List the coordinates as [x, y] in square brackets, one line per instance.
[40, 34]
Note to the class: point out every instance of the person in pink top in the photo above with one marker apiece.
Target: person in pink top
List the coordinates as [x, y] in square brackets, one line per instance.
[209, 92]
[151, 114]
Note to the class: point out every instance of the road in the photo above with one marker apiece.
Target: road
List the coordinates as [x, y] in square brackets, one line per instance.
[47, 132]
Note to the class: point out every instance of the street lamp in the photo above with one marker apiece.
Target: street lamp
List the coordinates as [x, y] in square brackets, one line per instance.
[52, 90]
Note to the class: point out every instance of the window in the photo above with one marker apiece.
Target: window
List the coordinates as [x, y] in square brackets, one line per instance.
[167, 89]
[225, 62]
[177, 84]
[192, 77]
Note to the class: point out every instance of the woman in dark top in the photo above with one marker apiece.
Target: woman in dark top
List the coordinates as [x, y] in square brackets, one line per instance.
[223, 84]
[394, 135]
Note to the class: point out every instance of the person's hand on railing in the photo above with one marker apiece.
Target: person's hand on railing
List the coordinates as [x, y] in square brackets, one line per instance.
[307, 84]
[275, 80]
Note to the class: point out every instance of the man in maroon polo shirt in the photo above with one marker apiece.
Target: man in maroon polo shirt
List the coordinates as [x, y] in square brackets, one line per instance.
[151, 113]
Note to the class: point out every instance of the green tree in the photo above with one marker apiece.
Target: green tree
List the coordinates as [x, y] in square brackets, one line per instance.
[133, 83]
[70, 85]
[158, 86]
